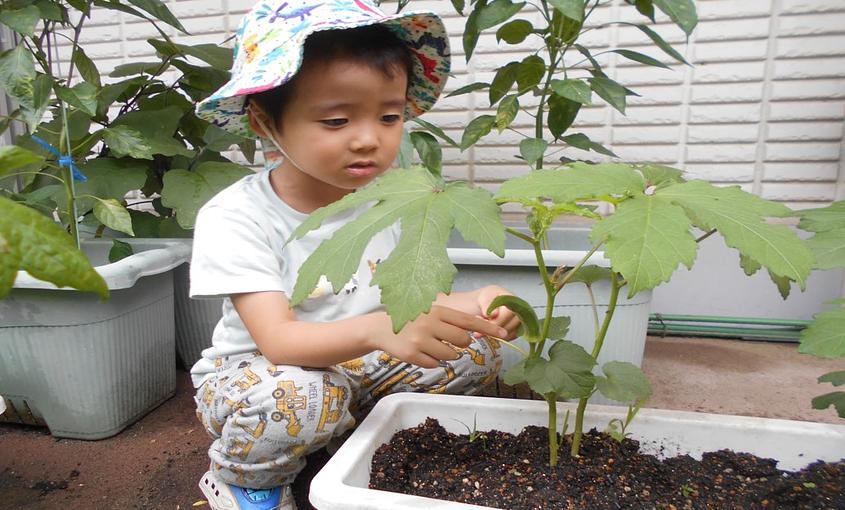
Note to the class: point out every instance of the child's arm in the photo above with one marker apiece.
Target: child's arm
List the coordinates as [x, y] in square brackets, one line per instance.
[284, 340]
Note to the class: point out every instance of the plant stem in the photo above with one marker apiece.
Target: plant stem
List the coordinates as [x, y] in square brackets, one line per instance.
[578, 266]
[582, 403]
[595, 309]
[706, 235]
[551, 400]
[516, 233]
[77, 30]
[550, 295]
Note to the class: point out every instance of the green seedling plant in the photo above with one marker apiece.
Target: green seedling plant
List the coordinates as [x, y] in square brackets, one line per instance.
[658, 217]
[473, 433]
[92, 139]
[825, 336]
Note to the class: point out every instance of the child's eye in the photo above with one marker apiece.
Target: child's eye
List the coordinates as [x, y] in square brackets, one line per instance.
[390, 119]
[334, 122]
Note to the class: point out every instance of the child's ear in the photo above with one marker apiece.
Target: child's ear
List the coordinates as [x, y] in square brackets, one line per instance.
[258, 120]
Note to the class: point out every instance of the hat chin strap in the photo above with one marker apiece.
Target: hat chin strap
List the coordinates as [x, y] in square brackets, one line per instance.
[272, 137]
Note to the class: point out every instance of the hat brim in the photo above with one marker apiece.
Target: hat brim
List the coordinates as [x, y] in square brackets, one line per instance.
[423, 32]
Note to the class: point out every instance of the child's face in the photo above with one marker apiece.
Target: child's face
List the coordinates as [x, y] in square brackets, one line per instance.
[342, 126]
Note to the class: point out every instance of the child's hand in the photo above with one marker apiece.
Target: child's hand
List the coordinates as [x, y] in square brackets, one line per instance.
[433, 336]
[501, 316]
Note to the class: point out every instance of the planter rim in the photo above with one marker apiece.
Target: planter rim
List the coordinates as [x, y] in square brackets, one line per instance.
[158, 256]
[524, 257]
[331, 489]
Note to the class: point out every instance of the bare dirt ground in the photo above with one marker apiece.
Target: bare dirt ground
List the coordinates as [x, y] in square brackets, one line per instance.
[156, 463]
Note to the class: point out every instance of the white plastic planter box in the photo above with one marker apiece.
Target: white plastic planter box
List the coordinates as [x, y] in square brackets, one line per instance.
[625, 340]
[342, 483]
[87, 368]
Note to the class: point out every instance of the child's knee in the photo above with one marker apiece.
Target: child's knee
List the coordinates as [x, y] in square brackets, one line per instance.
[308, 406]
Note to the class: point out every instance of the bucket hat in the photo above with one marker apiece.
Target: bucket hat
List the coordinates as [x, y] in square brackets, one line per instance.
[269, 46]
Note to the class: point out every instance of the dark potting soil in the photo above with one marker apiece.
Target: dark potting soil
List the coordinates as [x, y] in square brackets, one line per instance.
[502, 470]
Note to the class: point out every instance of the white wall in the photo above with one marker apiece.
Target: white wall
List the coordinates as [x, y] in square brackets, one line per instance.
[763, 105]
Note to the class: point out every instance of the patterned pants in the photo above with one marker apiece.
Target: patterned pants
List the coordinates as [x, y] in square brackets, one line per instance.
[266, 418]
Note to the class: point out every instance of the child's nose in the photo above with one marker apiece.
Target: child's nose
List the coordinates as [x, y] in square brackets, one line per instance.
[366, 138]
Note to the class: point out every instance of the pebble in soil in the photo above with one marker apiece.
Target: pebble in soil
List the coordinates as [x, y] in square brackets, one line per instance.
[503, 470]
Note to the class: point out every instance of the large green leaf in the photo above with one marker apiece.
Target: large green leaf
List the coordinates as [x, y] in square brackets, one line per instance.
[567, 372]
[502, 82]
[13, 157]
[646, 241]
[339, 257]
[530, 72]
[740, 218]
[828, 248]
[17, 74]
[641, 58]
[514, 32]
[23, 20]
[577, 181]
[562, 113]
[160, 12]
[532, 149]
[86, 67]
[583, 142]
[418, 268]
[478, 127]
[834, 378]
[612, 92]
[574, 90]
[656, 175]
[573, 9]
[823, 219]
[825, 336]
[436, 131]
[662, 44]
[682, 13]
[835, 399]
[624, 382]
[187, 191]
[559, 327]
[113, 215]
[497, 12]
[32, 242]
[506, 112]
[215, 55]
[157, 128]
[126, 141]
[82, 96]
[108, 178]
[431, 155]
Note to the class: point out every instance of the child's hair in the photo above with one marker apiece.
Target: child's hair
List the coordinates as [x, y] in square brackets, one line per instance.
[375, 46]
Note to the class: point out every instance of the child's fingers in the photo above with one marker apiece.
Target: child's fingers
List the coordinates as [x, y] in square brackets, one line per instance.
[469, 322]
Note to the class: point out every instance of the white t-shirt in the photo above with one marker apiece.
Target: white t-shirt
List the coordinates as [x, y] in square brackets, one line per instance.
[239, 246]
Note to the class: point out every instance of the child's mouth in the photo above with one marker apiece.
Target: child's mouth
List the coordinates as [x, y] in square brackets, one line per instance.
[362, 168]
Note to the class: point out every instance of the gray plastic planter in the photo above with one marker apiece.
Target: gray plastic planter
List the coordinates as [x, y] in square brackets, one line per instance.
[625, 340]
[87, 368]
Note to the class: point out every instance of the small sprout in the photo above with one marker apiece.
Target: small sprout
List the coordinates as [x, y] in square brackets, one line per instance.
[809, 485]
[687, 490]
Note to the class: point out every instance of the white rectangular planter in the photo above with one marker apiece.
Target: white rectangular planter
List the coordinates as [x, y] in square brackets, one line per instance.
[88, 368]
[342, 483]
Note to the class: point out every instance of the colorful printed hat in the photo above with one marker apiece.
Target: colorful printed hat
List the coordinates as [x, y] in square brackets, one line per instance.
[269, 45]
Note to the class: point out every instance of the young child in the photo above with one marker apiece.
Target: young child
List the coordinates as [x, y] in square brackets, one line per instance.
[326, 86]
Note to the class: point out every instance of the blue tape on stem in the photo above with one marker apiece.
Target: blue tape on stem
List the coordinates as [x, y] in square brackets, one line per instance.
[64, 160]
